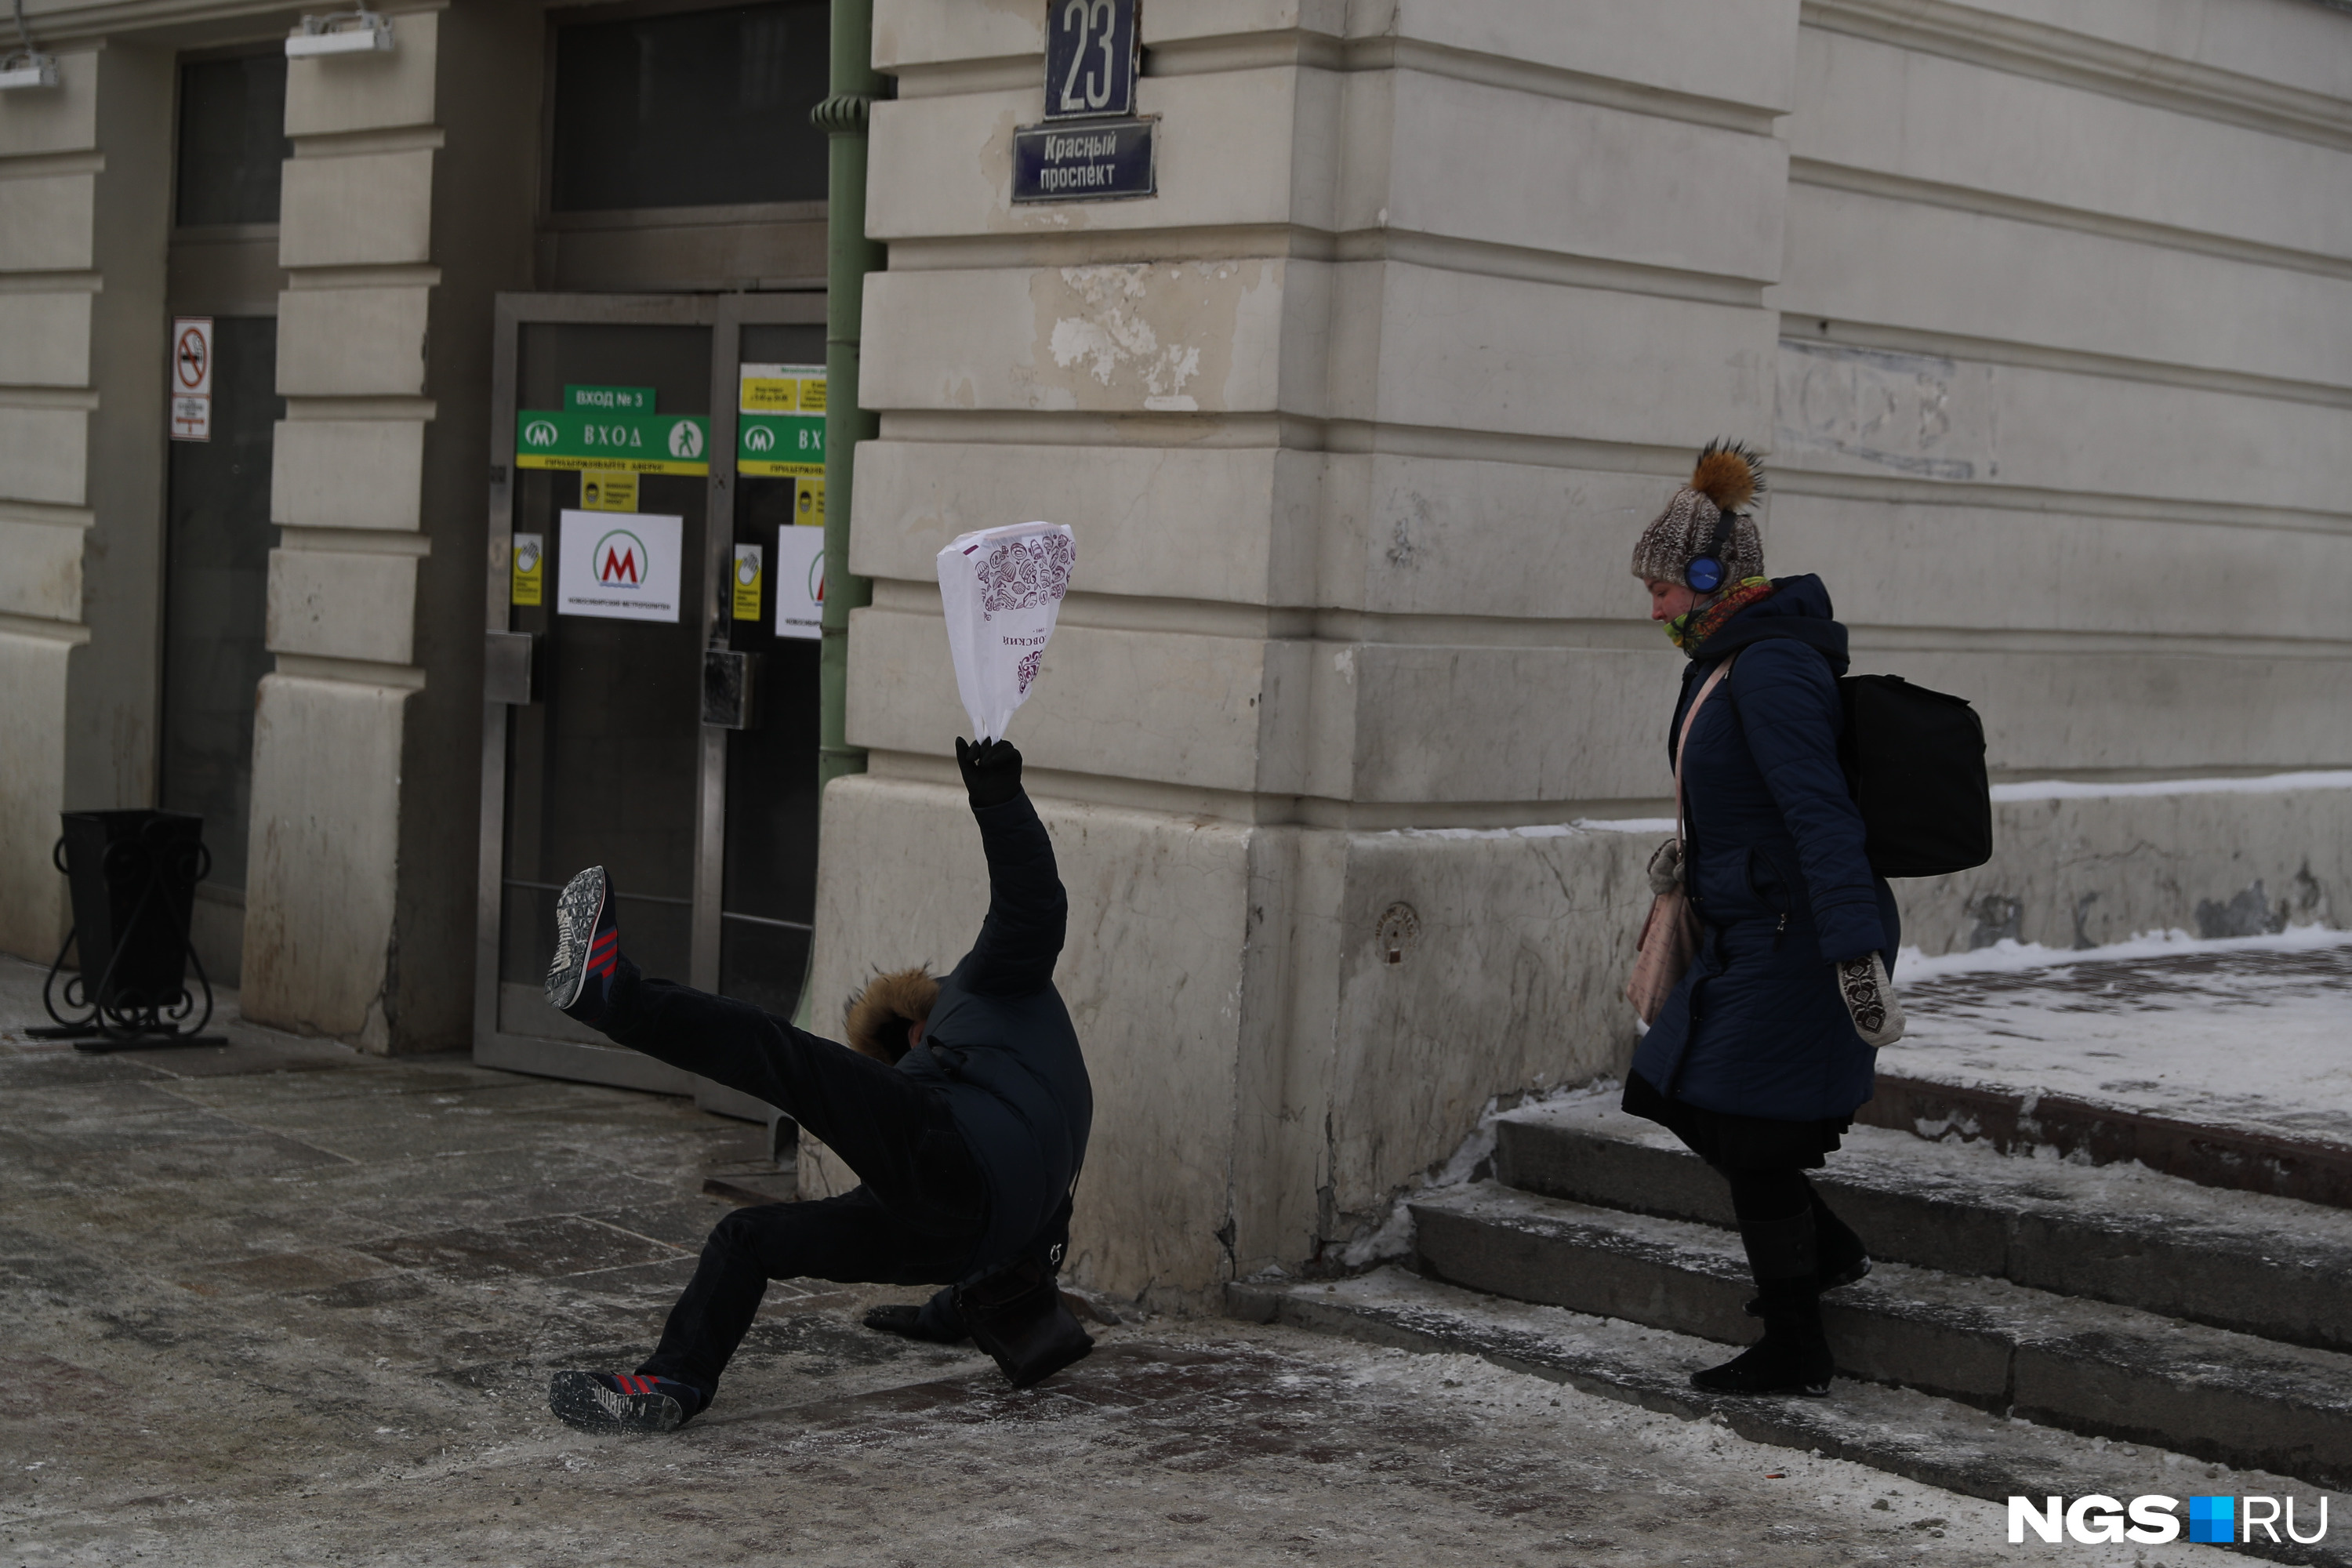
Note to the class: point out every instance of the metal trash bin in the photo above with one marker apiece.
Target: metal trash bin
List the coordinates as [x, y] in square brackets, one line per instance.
[132, 876]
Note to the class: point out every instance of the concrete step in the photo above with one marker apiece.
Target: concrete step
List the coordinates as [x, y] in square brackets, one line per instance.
[1939, 1442]
[2086, 1366]
[2315, 1169]
[2271, 1267]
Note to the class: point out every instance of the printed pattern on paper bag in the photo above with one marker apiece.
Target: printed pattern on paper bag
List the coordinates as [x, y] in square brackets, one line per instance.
[1025, 573]
[1001, 590]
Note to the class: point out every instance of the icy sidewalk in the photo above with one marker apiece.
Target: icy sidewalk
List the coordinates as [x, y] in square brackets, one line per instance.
[2253, 1034]
[282, 1303]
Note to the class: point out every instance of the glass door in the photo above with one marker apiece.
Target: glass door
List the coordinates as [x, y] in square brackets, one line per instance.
[767, 870]
[594, 749]
[650, 697]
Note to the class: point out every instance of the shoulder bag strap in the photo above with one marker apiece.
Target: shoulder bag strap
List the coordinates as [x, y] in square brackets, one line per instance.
[1681, 745]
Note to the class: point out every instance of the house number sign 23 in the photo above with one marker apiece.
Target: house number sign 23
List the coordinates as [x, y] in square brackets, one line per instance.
[1091, 57]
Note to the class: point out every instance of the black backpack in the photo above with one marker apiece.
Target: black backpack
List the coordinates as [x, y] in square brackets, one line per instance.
[1915, 761]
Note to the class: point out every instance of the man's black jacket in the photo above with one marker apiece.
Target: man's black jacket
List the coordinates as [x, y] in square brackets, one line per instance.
[999, 1043]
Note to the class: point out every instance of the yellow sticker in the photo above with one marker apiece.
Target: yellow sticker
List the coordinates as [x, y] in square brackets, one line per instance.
[748, 574]
[530, 574]
[780, 388]
[808, 503]
[608, 489]
[774, 394]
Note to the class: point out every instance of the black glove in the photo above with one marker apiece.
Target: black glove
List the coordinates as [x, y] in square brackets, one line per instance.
[991, 771]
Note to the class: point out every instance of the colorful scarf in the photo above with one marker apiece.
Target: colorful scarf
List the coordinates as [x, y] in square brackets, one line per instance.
[1693, 627]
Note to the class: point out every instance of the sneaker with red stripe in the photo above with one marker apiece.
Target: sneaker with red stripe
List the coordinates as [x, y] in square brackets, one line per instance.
[621, 1400]
[587, 944]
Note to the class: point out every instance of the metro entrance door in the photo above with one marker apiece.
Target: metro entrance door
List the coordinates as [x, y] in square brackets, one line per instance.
[646, 706]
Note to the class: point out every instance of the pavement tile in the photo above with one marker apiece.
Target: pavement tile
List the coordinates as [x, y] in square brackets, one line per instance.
[277, 1273]
[160, 1145]
[558, 1243]
[21, 1070]
[249, 1053]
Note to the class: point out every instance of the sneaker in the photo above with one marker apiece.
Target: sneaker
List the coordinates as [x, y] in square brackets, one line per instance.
[587, 939]
[622, 1402]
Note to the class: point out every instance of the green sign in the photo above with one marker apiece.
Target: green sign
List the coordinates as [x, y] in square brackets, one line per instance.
[639, 443]
[776, 444]
[608, 399]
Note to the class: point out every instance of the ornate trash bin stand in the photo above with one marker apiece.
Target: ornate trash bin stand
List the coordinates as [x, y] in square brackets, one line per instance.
[133, 877]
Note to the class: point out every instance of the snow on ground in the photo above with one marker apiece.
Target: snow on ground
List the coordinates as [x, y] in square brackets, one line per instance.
[282, 1303]
[2253, 1032]
[1667, 1454]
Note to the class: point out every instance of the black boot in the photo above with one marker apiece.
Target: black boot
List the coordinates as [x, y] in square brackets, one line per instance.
[1016, 1315]
[1793, 1357]
[936, 1320]
[1842, 1257]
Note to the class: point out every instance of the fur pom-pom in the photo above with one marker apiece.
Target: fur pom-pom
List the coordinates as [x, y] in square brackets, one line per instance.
[877, 1017]
[1728, 474]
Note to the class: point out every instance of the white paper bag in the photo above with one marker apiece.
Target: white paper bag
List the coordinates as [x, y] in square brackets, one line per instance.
[1003, 589]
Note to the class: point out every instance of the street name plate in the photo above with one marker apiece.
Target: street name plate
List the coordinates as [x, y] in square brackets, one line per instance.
[1102, 160]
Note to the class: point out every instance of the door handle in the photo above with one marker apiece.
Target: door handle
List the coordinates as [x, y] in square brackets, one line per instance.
[731, 688]
[508, 666]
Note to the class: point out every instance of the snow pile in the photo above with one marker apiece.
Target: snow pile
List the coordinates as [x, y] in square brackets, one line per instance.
[2261, 784]
[2253, 1032]
[2011, 956]
[1392, 1237]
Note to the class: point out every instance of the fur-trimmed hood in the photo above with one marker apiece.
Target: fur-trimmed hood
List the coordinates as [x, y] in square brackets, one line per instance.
[877, 1018]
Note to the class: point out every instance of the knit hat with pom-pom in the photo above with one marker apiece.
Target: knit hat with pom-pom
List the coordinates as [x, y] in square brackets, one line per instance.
[1728, 477]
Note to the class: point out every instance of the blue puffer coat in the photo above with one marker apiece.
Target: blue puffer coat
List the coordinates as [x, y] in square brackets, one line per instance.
[1777, 873]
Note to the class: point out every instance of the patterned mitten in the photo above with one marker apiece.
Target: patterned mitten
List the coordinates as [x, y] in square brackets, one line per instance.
[1667, 868]
[1870, 1000]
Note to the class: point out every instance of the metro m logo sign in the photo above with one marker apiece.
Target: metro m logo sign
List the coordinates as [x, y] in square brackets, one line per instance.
[621, 560]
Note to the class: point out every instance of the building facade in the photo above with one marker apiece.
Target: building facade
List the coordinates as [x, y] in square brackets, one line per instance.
[2041, 309]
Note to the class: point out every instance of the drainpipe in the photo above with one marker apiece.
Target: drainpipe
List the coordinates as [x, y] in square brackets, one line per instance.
[849, 257]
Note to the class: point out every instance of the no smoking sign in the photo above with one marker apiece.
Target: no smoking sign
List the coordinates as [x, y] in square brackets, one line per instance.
[192, 378]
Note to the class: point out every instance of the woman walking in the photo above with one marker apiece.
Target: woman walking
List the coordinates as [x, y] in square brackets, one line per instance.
[1761, 1055]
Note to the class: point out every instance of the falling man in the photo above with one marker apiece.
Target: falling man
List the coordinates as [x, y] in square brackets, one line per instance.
[963, 1107]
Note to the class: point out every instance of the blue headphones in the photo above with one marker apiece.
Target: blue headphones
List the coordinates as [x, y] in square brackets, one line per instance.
[1707, 572]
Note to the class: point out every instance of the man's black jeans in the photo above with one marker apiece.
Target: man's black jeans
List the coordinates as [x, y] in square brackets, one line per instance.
[916, 1220]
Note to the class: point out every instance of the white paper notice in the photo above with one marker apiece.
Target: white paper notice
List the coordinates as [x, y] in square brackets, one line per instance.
[622, 566]
[799, 579]
[1002, 589]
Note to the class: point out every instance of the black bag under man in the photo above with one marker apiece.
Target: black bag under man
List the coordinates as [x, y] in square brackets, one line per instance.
[963, 1108]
